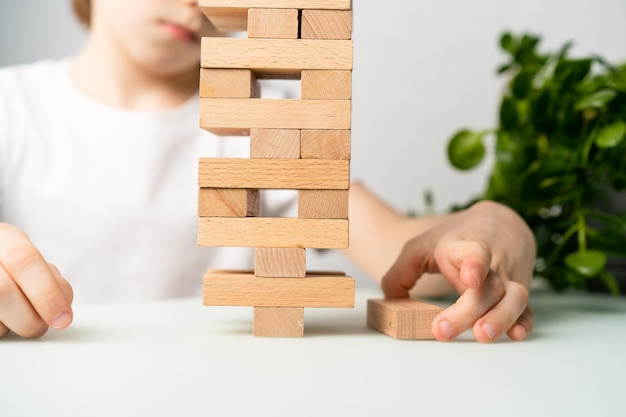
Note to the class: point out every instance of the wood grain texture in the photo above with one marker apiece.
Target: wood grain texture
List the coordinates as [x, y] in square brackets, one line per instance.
[273, 23]
[238, 116]
[261, 173]
[228, 202]
[283, 58]
[275, 143]
[241, 288]
[280, 262]
[326, 24]
[228, 83]
[278, 322]
[325, 144]
[326, 84]
[268, 232]
[402, 318]
[323, 204]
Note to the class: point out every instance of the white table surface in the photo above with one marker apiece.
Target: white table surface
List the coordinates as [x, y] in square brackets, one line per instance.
[179, 358]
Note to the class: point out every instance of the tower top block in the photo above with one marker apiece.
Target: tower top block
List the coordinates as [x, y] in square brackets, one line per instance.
[232, 15]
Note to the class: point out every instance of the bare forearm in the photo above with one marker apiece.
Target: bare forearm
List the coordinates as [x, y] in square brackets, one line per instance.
[377, 234]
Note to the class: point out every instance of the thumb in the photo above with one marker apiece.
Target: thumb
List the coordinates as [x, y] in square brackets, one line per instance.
[404, 273]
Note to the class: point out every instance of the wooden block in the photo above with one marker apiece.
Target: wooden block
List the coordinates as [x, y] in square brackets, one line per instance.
[242, 288]
[238, 116]
[231, 15]
[264, 232]
[228, 202]
[326, 24]
[291, 174]
[273, 23]
[228, 83]
[275, 143]
[325, 144]
[402, 318]
[326, 84]
[275, 4]
[278, 322]
[283, 58]
[323, 204]
[280, 262]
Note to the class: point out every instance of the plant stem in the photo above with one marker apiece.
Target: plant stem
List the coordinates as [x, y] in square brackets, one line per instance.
[564, 238]
[582, 232]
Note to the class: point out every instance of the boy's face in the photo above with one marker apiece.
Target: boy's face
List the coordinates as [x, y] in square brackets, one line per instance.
[162, 36]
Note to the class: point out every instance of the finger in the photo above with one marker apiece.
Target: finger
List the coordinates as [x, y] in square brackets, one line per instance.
[65, 286]
[16, 313]
[523, 326]
[4, 330]
[504, 314]
[406, 270]
[26, 267]
[469, 307]
[464, 263]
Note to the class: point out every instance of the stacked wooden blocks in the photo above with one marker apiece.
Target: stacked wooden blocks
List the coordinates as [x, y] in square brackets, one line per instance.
[298, 144]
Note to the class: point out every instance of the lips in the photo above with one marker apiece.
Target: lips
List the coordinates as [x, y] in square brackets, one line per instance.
[181, 32]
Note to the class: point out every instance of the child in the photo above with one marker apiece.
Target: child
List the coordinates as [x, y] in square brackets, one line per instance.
[98, 161]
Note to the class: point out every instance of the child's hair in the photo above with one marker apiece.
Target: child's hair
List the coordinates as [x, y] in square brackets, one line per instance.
[82, 11]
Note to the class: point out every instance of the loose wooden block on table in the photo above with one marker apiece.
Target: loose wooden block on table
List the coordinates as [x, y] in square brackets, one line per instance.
[275, 143]
[228, 83]
[240, 288]
[402, 318]
[227, 202]
[273, 23]
[326, 24]
[238, 116]
[325, 144]
[326, 84]
[262, 173]
[323, 204]
[266, 232]
[280, 262]
[278, 322]
[282, 58]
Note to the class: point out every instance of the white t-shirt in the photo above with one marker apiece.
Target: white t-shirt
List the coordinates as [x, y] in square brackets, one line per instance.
[108, 195]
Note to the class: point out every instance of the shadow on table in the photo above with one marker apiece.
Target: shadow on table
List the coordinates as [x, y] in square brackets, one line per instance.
[73, 334]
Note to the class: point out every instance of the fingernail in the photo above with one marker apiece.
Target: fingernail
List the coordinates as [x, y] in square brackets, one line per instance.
[446, 330]
[488, 328]
[477, 276]
[61, 320]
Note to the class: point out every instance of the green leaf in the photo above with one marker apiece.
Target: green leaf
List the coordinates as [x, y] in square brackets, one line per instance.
[508, 113]
[526, 52]
[507, 42]
[571, 72]
[596, 100]
[503, 68]
[588, 263]
[611, 135]
[541, 111]
[609, 280]
[466, 149]
[521, 84]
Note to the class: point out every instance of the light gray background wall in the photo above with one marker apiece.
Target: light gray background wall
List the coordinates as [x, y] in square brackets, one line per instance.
[422, 70]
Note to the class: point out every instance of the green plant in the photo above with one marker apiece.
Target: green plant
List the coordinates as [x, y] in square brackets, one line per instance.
[560, 152]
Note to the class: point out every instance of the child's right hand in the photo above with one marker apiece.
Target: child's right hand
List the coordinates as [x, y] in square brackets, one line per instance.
[33, 294]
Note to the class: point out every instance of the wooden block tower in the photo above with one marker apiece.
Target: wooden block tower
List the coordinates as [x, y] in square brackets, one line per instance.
[298, 144]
